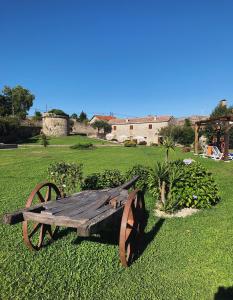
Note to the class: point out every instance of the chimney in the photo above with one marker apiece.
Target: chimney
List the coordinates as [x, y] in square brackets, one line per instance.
[223, 103]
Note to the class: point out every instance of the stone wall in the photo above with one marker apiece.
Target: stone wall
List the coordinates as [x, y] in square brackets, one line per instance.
[55, 125]
[82, 128]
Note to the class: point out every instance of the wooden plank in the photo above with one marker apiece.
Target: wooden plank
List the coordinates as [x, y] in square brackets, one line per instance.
[17, 216]
[75, 210]
[72, 205]
[91, 213]
[52, 220]
[99, 222]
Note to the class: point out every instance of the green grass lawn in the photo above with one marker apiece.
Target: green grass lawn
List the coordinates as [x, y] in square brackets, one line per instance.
[64, 140]
[184, 258]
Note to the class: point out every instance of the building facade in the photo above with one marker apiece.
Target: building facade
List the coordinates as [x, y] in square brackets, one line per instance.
[141, 129]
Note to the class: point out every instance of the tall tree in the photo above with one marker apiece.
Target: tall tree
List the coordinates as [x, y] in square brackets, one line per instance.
[18, 99]
[83, 117]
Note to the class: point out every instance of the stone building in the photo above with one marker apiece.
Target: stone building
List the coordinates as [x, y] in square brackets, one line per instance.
[55, 125]
[142, 129]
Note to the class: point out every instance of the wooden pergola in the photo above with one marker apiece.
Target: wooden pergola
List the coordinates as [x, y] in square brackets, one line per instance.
[225, 122]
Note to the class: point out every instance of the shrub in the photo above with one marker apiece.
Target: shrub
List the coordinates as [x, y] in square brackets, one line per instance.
[8, 125]
[142, 143]
[44, 140]
[58, 112]
[177, 186]
[143, 172]
[130, 144]
[107, 179]
[154, 144]
[67, 176]
[86, 146]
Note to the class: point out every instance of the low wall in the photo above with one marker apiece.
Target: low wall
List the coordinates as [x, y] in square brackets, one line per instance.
[20, 133]
[81, 128]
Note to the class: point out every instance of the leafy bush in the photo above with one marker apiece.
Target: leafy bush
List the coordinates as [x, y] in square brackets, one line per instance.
[44, 140]
[130, 144]
[58, 112]
[142, 143]
[86, 146]
[143, 172]
[67, 176]
[177, 186]
[107, 179]
[8, 125]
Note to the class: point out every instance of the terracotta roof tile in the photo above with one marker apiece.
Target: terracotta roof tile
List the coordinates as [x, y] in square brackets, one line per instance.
[104, 118]
[149, 119]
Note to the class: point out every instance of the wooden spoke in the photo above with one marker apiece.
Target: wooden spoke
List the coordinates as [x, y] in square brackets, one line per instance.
[34, 233]
[41, 198]
[35, 229]
[131, 228]
[48, 194]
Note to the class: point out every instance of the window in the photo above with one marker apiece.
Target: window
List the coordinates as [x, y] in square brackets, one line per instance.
[131, 127]
[114, 127]
[150, 126]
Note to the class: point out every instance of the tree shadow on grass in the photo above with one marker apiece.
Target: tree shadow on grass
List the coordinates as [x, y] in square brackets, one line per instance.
[224, 293]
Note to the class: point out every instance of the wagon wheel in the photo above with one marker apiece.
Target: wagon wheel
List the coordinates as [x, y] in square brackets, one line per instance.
[34, 233]
[132, 227]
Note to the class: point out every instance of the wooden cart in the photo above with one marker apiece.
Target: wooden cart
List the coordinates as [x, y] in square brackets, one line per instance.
[89, 212]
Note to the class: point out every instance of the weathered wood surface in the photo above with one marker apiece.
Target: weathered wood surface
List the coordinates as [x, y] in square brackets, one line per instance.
[75, 209]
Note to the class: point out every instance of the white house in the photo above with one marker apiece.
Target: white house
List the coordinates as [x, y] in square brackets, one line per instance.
[142, 129]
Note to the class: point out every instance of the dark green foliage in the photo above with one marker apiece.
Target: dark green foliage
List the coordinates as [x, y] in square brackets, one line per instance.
[37, 116]
[86, 146]
[184, 186]
[67, 176]
[83, 117]
[100, 124]
[44, 140]
[221, 110]
[58, 112]
[130, 144]
[107, 179]
[194, 186]
[143, 172]
[74, 116]
[183, 135]
[8, 125]
[210, 131]
[15, 101]
[91, 182]
[142, 143]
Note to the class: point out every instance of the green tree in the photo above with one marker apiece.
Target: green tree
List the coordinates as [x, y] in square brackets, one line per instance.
[183, 135]
[58, 112]
[37, 116]
[5, 106]
[18, 99]
[99, 124]
[210, 130]
[168, 144]
[74, 116]
[83, 117]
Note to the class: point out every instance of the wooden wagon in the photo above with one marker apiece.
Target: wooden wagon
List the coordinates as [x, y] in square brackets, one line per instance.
[89, 212]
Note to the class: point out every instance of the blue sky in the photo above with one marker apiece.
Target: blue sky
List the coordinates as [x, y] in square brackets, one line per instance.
[132, 58]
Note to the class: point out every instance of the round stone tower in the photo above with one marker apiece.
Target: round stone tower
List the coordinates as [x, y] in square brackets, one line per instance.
[55, 125]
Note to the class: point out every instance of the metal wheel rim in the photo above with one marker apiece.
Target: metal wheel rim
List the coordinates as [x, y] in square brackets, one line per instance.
[132, 227]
